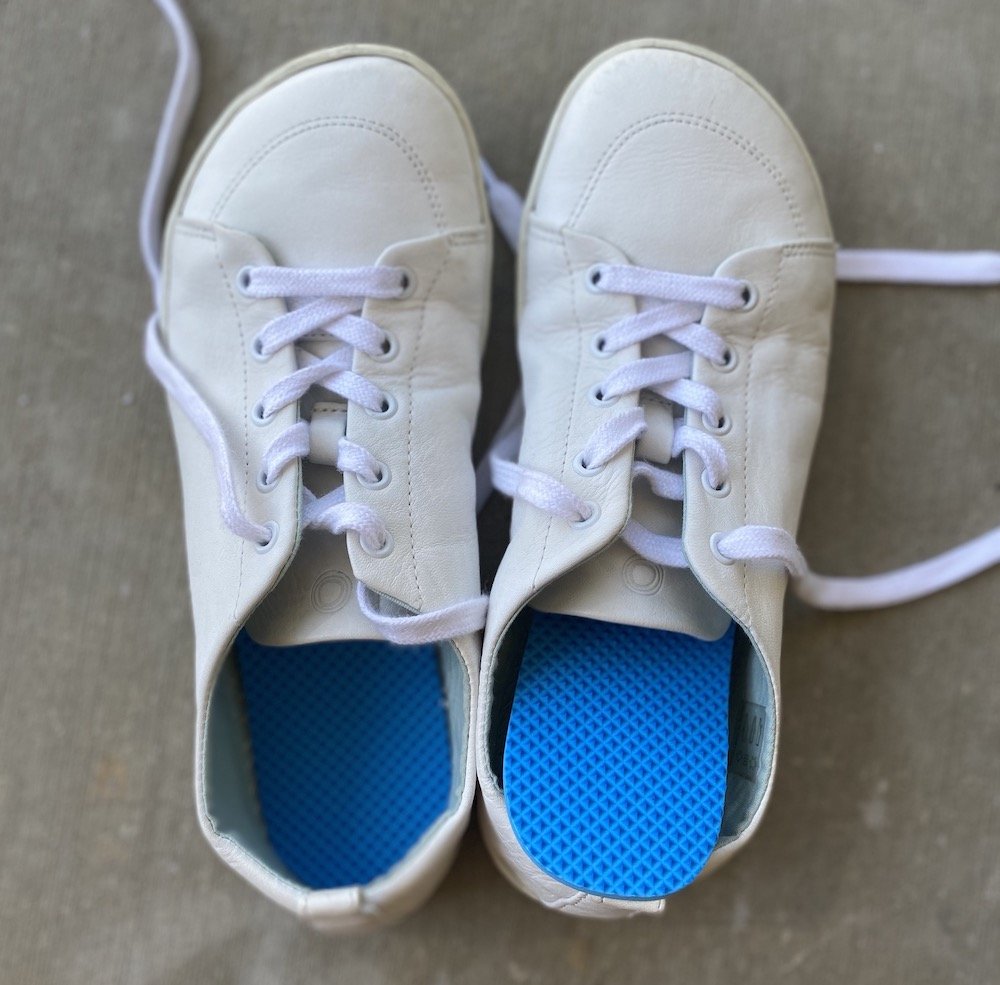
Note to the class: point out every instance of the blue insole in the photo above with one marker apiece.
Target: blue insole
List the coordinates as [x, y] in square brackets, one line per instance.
[615, 762]
[351, 753]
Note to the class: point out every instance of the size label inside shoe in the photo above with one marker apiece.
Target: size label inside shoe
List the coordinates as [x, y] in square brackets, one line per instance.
[746, 741]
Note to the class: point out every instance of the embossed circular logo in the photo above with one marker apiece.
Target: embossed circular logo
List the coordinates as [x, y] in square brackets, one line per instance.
[641, 576]
[330, 591]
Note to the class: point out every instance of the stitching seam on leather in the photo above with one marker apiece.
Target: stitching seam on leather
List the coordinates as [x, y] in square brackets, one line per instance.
[808, 250]
[246, 430]
[569, 902]
[356, 122]
[468, 237]
[571, 414]
[409, 423]
[206, 234]
[701, 123]
[765, 314]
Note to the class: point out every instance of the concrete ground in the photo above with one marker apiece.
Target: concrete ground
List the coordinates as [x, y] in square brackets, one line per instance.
[879, 860]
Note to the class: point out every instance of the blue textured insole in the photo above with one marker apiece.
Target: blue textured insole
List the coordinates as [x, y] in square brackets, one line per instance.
[351, 753]
[615, 762]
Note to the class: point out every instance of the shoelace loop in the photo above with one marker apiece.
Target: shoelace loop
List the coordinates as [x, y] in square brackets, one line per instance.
[332, 300]
[327, 306]
[915, 267]
[682, 302]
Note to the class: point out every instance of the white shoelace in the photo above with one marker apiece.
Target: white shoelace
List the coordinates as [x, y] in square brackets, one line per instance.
[328, 302]
[753, 544]
[339, 295]
[678, 318]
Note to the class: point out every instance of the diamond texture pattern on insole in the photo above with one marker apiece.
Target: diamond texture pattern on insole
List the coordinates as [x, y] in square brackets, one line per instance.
[615, 762]
[351, 753]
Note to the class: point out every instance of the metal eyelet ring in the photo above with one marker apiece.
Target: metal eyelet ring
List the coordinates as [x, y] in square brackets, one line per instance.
[382, 550]
[407, 283]
[724, 425]
[383, 479]
[594, 276]
[257, 350]
[265, 546]
[599, 346]
[590, 519]
[390, 348]
[258, 416]
[728, 362]
[263, 485]
[388, 408]
[713, 543]
[749, 296]
[243, 278]
[583, 469]
[720, 492]
[598, 398]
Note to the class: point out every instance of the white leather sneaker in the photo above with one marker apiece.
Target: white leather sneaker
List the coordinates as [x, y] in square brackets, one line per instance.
[323, 309]
[676, 284]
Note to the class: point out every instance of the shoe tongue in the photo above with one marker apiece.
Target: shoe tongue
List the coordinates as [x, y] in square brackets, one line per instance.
[316, 599]
[618, 586]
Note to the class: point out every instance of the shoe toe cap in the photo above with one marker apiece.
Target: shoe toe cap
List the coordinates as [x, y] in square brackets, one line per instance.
[337, 156]
[659, 141]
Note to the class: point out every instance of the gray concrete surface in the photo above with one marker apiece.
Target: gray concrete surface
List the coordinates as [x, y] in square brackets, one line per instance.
[879, 860]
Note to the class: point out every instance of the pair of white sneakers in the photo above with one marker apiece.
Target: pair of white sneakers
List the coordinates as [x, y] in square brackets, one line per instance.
[322, 308]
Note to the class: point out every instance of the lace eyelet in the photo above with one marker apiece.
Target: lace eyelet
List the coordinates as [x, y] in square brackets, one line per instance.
[713, 543]
[384, 477]
[388, 408]
[243, 278]
[724, 426]
[407, 283]
[728, 362]
[599, 346]
[258, 416]
[263, 485]
[749, 297]
[264, 546]
[594, 276]
[583, 469]
[257, 350]
[597, 397]
[590, 519]
[378, 550]
[390, 348]
[719, 492]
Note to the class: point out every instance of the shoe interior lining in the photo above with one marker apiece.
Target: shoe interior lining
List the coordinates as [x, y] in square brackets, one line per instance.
[752, 734]
[629, 754]
[329, 762]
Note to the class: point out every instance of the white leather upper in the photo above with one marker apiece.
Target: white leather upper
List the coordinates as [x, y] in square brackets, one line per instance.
[344, 158]
[667, 157]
